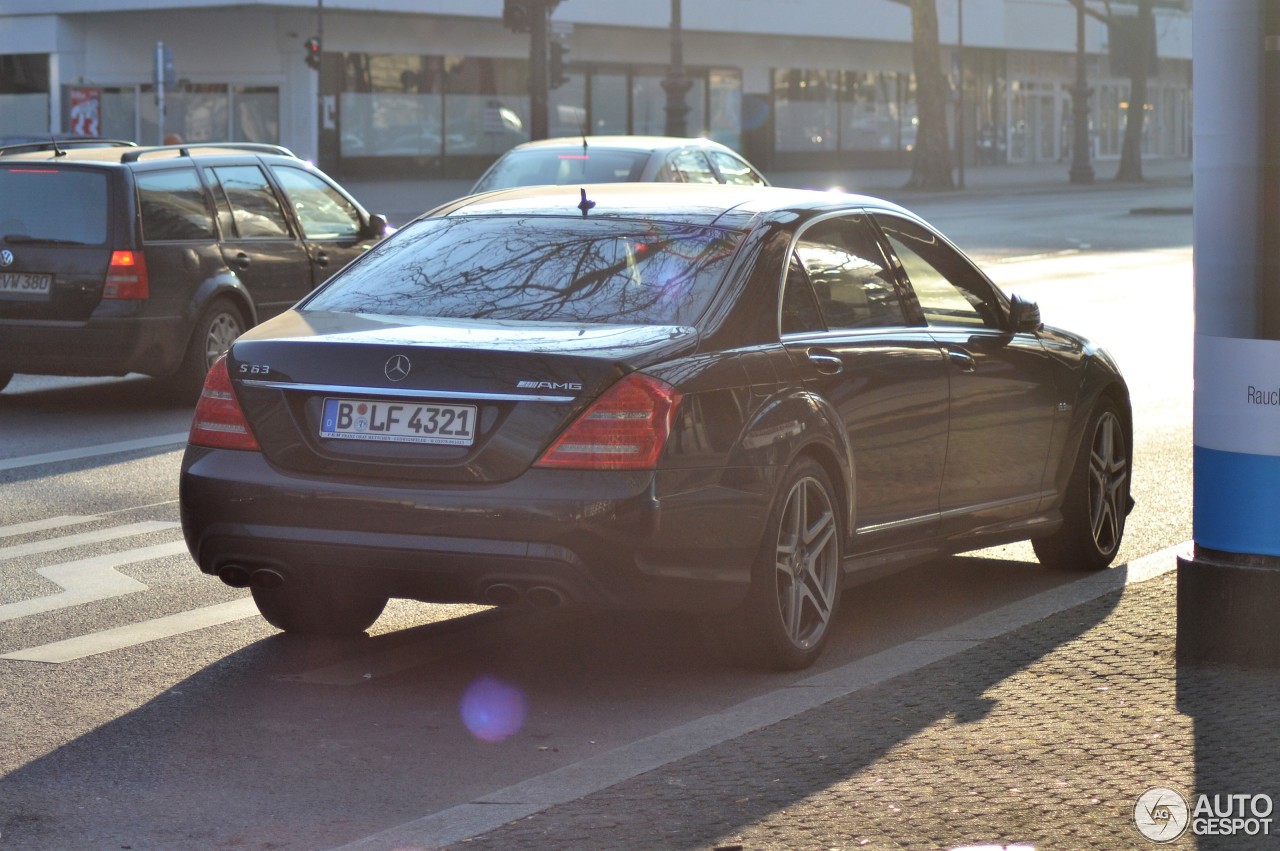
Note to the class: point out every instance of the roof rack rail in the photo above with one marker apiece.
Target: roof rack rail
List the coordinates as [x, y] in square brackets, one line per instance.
[55, 145]
[185, 149]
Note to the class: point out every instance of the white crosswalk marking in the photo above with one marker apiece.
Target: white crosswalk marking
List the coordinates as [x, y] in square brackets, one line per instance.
[134, 634]
[97, 578]
[89, 579]
[13, 530]
[95, 537]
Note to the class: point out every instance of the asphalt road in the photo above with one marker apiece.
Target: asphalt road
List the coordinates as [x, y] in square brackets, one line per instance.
[147, 706]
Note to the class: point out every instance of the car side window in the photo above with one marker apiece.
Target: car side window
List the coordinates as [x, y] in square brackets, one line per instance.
[688, 166]
[247, 202]
[323, 212]
[799, 308]
[950, 290]
[174, 206]
[735, 171]
[850, 276]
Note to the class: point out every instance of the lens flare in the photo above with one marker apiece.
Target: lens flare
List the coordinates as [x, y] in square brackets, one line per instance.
[493, 710]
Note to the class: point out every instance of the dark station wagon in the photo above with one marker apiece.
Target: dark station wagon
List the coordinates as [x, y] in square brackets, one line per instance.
[715, 399]
[116, 258]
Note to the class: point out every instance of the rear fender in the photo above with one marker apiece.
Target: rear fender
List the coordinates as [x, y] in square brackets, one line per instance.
[223, 285]
[793, 423]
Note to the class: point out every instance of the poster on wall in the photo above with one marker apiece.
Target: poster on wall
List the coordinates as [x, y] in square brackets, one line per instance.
[86, 111]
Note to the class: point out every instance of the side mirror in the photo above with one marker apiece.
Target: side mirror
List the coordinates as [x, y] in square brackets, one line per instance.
[1024, 316]
[377, 225]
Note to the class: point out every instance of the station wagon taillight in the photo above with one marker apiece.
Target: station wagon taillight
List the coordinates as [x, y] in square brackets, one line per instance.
[625, 429]
[219, 421]
[127, 277]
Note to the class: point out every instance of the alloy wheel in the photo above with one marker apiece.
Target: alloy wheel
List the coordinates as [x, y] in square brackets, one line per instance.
[807, 563]
[1108, 482]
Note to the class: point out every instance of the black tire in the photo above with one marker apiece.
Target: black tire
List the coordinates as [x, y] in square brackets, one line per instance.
[796, 578]
[318, 608]
[1097, 499]
[5, 378]
[215, 330]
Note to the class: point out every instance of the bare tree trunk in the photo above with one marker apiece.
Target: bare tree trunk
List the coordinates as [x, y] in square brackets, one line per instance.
[931, 159]
[1130, 169]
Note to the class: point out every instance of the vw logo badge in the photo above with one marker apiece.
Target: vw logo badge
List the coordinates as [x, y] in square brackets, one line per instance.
[397, 368]
[6, 258]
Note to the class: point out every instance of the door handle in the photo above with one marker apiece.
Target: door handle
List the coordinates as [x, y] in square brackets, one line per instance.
[962, 360]
[242, 261]
[322, 258]
[825, 362]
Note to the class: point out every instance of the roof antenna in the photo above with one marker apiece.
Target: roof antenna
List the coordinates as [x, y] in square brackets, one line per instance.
[584, 205]
[57, 151]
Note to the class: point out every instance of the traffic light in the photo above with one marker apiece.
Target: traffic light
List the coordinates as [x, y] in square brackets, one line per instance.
[556, 76]
[312, 47]
[517, 15]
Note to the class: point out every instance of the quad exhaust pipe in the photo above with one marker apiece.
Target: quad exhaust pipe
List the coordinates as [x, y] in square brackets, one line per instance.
[536, 596]
[239, 576]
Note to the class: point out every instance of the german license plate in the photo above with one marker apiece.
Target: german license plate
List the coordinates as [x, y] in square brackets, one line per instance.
[34, 284]
[398, 422]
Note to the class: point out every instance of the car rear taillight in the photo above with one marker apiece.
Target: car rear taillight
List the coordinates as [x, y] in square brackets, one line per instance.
[219, 421]
[127, 277]
[625, 429]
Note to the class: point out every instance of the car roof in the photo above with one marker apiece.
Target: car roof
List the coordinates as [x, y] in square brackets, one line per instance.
[120, 153]
[729, 206]
[628, 143]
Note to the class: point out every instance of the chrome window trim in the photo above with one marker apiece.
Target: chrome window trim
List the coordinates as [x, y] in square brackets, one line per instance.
[408, 393]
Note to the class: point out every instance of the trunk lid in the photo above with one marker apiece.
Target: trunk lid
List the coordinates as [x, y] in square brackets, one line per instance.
[442, 400]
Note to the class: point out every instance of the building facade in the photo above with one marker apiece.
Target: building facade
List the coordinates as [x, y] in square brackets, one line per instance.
[440, 87]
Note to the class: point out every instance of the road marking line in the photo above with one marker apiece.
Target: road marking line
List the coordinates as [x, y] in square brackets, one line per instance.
[92, 451]
[12, 531]
[88, 580]
[97, 536]
[544, 791]
[134, 634]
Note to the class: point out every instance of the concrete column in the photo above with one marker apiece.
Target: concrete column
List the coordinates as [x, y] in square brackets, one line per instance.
[1229, 585]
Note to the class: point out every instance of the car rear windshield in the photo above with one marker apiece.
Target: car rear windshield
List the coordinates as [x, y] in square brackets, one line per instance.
[39, 203]
[532, 168]
[537, 268]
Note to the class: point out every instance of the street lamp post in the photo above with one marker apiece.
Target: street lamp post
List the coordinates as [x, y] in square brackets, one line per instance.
[1081, 169]
[676, 84]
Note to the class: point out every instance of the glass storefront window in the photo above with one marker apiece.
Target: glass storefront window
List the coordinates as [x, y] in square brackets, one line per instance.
[486, 104]
[870, 112]
[725, 89]
[568, 114]
[255, 115]
[804, 103]
[608, 103]
[649, 105]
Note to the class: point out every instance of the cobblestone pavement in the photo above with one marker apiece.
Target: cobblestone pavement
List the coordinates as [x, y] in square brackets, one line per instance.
[1043, 738]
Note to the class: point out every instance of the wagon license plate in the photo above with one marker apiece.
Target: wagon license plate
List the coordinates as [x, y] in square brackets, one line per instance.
[398, 422]
[30, 284]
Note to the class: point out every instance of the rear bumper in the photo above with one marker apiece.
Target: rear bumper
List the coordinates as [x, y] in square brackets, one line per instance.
[679, 541]
[107, 346]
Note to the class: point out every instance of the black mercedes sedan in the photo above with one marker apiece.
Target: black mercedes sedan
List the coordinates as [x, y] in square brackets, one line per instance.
[714, 399]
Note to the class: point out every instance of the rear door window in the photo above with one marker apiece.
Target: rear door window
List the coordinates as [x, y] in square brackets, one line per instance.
[49, 204]
[688, 166]
[174, 206]
[735, 171]
[252, 209]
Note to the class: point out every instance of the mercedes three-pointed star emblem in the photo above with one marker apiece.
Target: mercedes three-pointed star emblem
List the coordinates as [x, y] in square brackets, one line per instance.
[397, 368]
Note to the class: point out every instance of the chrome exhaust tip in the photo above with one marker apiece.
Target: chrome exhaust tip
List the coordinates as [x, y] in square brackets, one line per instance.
[234, 575]
[542, 597]
[265, 578]
[501, 594]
